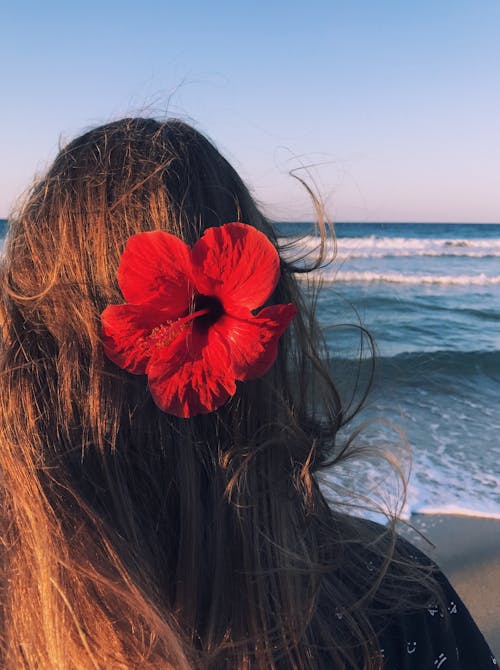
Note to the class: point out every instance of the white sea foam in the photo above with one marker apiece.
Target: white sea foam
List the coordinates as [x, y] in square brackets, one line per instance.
[331, 274]
[446, 477]
[456, 510]
[443, 490]
[383, 247]
[399, 278]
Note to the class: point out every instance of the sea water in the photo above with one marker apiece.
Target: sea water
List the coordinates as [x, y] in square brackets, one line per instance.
[429, 295]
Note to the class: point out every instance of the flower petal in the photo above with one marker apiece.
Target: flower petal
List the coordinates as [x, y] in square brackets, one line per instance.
[125, 330]
[192, 376]
[155, 269]
[253, 341]
[237, 264]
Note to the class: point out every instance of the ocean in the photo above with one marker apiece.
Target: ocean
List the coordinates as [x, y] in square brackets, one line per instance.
[429, 295]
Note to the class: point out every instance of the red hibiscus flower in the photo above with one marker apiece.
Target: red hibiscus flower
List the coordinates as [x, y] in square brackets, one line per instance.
[189, 321]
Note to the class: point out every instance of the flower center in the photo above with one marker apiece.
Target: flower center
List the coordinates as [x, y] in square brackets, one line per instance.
[161, 336]
[211, 310]
[206, 310]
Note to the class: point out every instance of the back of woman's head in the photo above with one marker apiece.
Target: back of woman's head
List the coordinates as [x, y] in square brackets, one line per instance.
[134, 538]
[65, 247]
[183, 520]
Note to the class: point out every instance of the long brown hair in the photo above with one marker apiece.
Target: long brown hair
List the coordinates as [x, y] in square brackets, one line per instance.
[132, 538]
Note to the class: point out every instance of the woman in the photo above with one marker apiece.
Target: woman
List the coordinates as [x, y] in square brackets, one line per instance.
[158, 469]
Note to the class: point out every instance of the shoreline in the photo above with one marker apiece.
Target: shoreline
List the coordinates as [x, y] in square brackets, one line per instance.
[467, 549]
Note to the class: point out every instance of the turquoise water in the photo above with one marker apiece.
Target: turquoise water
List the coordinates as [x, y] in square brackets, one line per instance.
[430, 296]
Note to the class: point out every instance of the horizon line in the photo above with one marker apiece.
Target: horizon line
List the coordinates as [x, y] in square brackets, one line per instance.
[372, 223]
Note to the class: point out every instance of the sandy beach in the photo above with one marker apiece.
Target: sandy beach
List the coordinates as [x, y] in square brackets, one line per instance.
[468, 551]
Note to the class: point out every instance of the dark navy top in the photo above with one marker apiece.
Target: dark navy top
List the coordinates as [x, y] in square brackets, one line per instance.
[432, 639]
[429, 632]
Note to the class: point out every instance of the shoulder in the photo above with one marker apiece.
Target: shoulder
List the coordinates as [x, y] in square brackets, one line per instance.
[441, 634]
[419, 619]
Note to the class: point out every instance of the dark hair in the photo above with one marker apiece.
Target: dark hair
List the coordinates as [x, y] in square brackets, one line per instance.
[133, 538]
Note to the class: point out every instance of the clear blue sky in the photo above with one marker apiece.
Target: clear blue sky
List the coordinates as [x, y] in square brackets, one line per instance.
[396, 104]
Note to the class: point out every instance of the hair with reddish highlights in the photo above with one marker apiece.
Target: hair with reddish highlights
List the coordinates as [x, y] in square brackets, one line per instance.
[131, 538]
